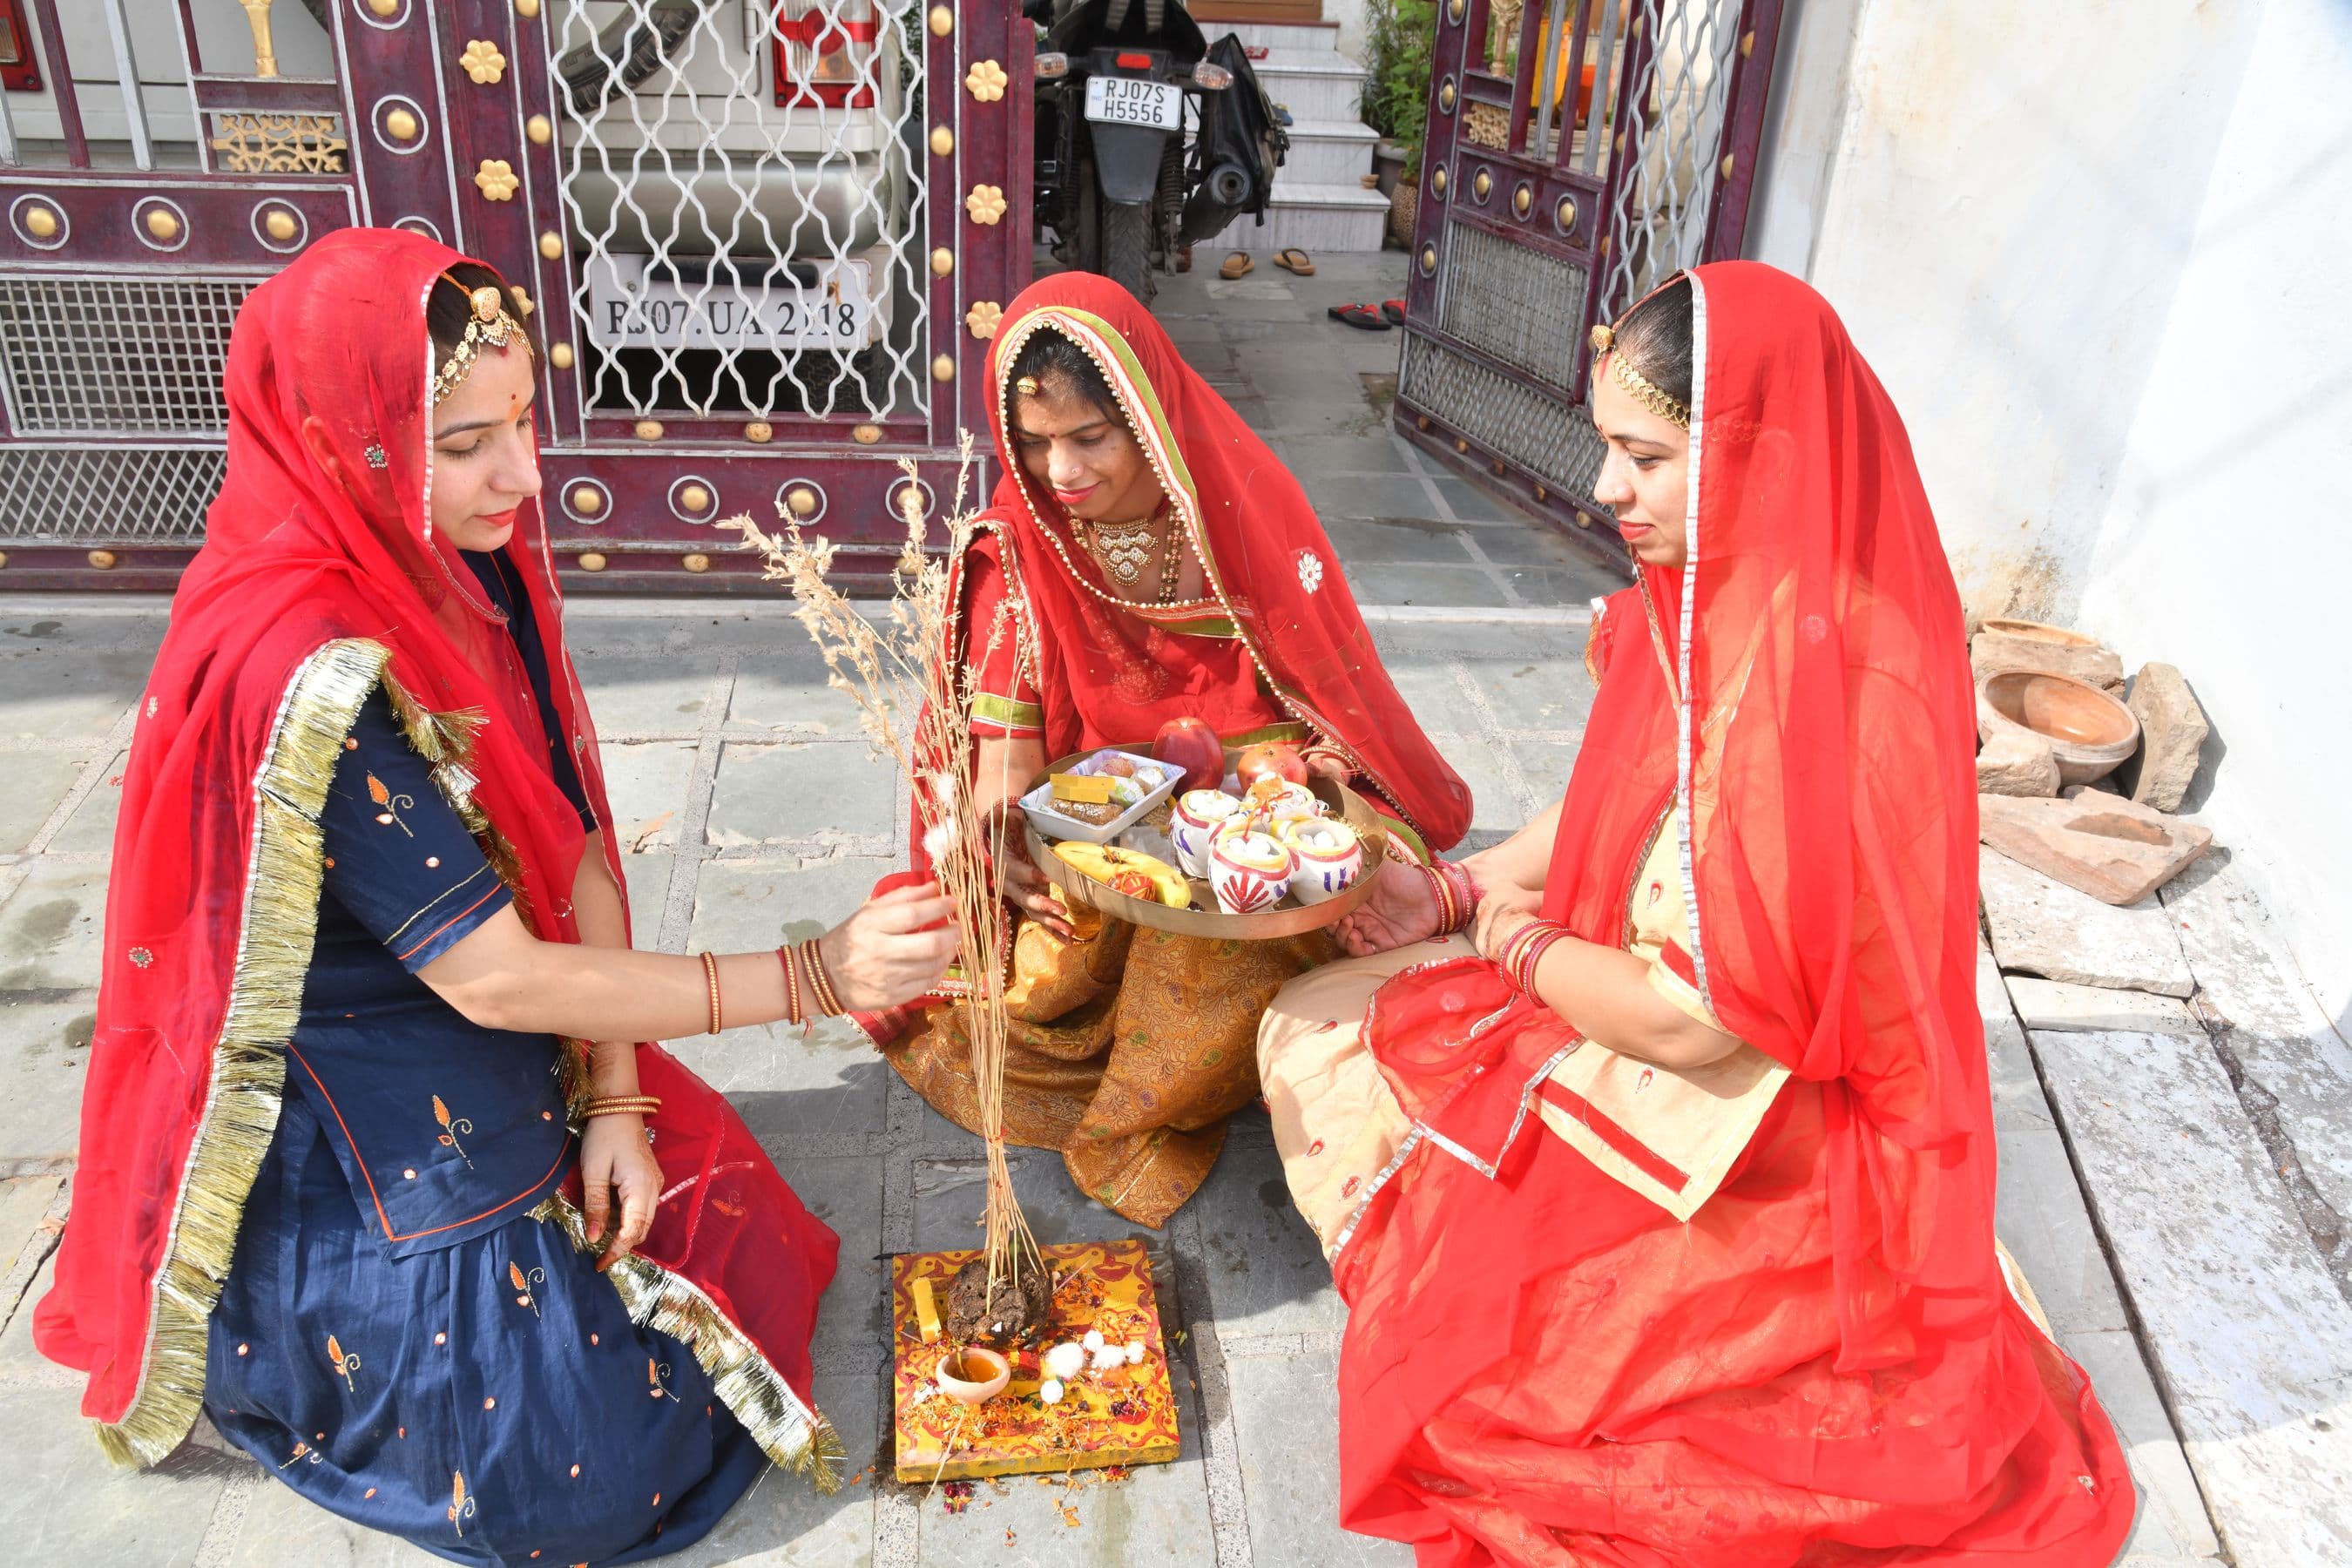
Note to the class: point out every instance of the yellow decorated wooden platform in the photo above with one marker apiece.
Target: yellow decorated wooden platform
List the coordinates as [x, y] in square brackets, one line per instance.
[1125, 1415]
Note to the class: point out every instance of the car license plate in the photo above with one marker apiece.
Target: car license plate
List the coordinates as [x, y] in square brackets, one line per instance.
[828, 304]
[1131, 100]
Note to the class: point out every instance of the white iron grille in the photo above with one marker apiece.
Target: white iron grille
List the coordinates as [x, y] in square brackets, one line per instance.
[683, 176]
[1544, 435]
[118, 495]
[1520, 305]
[1659, 225]
[118, 356]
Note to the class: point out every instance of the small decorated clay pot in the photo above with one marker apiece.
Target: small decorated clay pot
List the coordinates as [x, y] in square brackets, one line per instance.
[1194, 821]
[1249, 869]
[973, 1375]
[1330, 858]
[1279, 800]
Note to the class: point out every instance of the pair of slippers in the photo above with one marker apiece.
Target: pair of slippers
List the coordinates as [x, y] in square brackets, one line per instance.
[1377, 317]
[1239, 265]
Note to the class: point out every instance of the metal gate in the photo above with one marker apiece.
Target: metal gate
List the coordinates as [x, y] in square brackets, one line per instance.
[1578, 151]
[765, 241]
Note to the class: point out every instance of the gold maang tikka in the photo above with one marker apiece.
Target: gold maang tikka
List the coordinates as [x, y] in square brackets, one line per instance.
[1026, 387]
[492, 323]
[1639, 387]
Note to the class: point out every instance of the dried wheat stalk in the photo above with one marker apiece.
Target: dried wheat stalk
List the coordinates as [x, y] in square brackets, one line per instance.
[914, 699]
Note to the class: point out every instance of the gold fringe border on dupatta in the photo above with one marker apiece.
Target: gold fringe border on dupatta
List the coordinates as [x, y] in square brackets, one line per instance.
[248, 1068]
[794, 1433]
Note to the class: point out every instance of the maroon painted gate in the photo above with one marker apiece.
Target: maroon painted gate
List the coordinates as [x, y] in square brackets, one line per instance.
[1578, 151]
[765, 241]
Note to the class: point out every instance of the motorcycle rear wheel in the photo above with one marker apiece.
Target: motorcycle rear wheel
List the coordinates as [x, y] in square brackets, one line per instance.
[1126, 249]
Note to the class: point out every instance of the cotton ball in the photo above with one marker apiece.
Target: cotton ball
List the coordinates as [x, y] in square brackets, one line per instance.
[1135, 1352]
[1050, 1391]
[1094, 1340]
[1065, 1361]
[1109, 1356]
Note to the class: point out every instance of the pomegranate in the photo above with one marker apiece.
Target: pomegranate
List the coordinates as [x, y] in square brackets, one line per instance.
[1272, 759]
[1189, 743]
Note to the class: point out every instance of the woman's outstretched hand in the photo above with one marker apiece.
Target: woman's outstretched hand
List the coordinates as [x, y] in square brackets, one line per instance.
[1026, 886]
[619, 1186]
[893, 950]
[1400, 911]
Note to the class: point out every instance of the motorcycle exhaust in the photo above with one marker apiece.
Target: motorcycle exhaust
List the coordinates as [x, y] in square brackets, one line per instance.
[1228, 185]
[1213, 202]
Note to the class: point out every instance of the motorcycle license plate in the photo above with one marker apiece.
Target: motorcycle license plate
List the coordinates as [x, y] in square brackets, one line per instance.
[1130, 100]
[829, 305]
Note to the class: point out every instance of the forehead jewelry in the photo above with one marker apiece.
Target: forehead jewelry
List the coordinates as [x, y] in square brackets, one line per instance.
[1026, 387]
[1639, 387]
[490, 323]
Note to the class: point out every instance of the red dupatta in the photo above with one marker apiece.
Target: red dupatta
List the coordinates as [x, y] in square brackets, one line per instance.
[1273, 578]
[1541, 1366]
[317, 582]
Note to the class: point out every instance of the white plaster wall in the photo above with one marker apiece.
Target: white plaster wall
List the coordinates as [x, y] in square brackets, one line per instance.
[2227, 546]
[2097, 252]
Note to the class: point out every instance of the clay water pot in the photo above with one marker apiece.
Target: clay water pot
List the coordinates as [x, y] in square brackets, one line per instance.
[1249, 868]
[2034, 631]
[973, 1375]
[2088, 732]
[1194, 822]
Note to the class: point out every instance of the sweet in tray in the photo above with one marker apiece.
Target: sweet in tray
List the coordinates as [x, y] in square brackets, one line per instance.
[1100, 797]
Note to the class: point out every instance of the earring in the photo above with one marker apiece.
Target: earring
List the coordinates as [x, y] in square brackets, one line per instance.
[377, 457]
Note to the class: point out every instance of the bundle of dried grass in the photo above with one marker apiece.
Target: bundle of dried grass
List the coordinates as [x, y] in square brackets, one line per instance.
[914, 698]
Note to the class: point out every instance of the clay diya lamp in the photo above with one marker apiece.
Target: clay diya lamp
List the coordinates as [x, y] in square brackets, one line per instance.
[1194, 823]
[1249, 868]
[2089, 732]
[973, 1375]
[1330, 858]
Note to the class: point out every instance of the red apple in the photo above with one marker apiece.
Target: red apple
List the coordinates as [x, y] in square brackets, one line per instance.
[1189, 743]
[1271, 759]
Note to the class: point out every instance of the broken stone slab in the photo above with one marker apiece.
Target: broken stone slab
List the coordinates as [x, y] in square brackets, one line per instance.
[2113, 849]
[2090, 1009]
[2015, 760]
[2172, 730]
[2043, 927]
[1992, 652]
[2243, 1323]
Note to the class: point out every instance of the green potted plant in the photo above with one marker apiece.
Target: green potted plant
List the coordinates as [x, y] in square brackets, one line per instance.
[1400, 36]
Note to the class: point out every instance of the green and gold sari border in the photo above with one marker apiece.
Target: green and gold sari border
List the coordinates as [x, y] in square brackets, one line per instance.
[1007, 712]
[1288, 729]
[791, 1432]
[242, 1100]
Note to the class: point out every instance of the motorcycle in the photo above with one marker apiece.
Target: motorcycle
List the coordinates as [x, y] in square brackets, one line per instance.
[1117, 181]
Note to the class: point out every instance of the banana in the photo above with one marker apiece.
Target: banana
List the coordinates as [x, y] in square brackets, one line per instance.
[1105, 862]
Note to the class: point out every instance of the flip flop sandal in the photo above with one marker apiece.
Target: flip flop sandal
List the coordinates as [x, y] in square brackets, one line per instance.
[1254, 51]
[1294, 260]
[1392, 311]
[1236, 265]
[1364, 318]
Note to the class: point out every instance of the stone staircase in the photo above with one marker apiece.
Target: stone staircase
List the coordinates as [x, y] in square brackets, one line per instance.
[1319, 203]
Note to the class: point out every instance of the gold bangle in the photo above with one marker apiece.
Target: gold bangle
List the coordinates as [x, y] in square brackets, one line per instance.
[622, 1105]
[710, 977]
[820, 981]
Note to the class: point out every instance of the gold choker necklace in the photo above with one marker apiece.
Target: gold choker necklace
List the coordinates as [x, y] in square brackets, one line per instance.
[1122, 549]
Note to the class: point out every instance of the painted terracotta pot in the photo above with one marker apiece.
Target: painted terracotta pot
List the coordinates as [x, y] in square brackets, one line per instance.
[1279, 800]
[1249, 869]
[1330, 858]
[1194, 822]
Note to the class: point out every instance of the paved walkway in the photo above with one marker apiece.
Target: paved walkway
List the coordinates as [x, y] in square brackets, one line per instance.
[751, 812]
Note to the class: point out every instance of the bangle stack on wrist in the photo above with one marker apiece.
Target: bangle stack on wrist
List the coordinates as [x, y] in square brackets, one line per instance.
[1523, 949]
[621, 1105]
[1457, 894]
[808, 985]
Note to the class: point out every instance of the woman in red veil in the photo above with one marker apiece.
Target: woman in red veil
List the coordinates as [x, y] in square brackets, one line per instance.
[372, 1171]
[1146, 558]
[1661, 1188]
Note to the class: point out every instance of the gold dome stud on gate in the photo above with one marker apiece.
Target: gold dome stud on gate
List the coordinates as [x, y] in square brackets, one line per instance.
[41, 221]
[539, 130]
[526, 9]
[942, 21]
[697, 562]
[942, 262]
[865, 435]
[942, 141]
[401, 125]
[1446, 96]
[103, 560]
[1482, 184]
[279, 225]
[1564, 214]
[559, 355]
[943, 368]
[1523, 201]
[592, 561]
[384, 7]
[551, 246]
[759, 430]
[648, 430]
[164, 224]
[694, 498]
[1437, 180]
[802, 501]
[587, 499]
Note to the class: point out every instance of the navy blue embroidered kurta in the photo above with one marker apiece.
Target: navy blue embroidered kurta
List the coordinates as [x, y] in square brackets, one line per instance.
[397, 1339]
